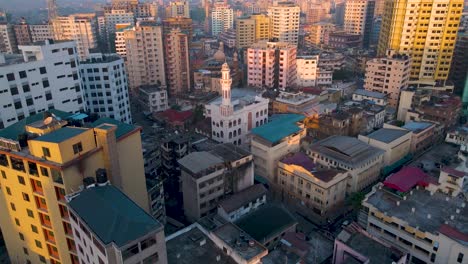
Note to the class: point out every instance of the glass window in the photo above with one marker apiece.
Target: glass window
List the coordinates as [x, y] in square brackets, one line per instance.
[46, 152]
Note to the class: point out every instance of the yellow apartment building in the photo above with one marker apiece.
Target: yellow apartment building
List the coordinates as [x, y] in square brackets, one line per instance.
[42, 160]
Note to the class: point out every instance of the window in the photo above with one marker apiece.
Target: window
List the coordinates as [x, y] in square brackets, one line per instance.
[77, 148]
[460, 257]
[26, 197]
[41, 258]
[10, 77]
[34, 229]
[8, 190]
[45, 83]
[21, 236]
[21, 180]
[46, 152]
[38, 243]
[17, 222]
[14, 90]
[148, 243]
[131, 251]
[25, 250]
[13, 207]
[3, 174]
[44, 172]
[23, 74]
[30, 213]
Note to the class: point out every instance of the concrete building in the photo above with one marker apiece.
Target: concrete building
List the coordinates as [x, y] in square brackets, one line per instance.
[395, 142]
[126, 240]
[375, 97]
[208, 176]
[252, 29]
[177, 62]
[120, 41]
[318, 33]
[148, 10]
[410, 98]
[273, 141]
[237, 113]
[458, 72]
[388, 76]
[271, 65]
[309, 74]
[358, 18]
[105, 86]
[422, 136]
[242, 203]
[8, 40]
[178, 9]
[410, 212]
[349, 122]
[344, 40]
[318, 189]
[429, 39]
[39, 173]
[22, 33]
[228, 38]
[41, 32]
[285, 22]
[45, 76]
[145, 55]
[153, 98]
[362, 161]
[222, 18]
[82, 28]
[295, 102]
[113, 20]
[185, 25]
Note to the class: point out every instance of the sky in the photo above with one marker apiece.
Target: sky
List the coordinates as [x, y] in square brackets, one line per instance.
[13, 6]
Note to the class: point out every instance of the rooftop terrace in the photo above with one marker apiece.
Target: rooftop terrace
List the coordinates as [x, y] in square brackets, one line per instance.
[279, 127]
[61, 134]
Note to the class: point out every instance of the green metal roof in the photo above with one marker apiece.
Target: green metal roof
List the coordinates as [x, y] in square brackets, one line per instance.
[112, 216]
[122, 128]
[61, 134]
[279, 127]
[16, 129]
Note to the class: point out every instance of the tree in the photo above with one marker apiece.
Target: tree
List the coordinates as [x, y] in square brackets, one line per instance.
[355, 200]
[198, 114]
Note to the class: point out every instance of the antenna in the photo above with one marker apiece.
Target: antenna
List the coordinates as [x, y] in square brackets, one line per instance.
[48, 120]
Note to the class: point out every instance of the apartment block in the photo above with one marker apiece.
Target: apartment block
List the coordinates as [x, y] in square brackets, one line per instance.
[176, 47]
[42, 161]
[377, 98]
[153, 98]
[252, 29]
[178, 9]
[285, 22]
[242, 203]
[45, 76]
[182, 23]
[113, 21]
[120, 41]
[272, 65]
[105, 86]
[358, 19]
[82, 28]
[22, 33]
[41, 32]
[426, 31]
[8, 40]
[222, 18]
[388, 75]
[209, 175]
[145, 55]
[318, 33]
[123, 241]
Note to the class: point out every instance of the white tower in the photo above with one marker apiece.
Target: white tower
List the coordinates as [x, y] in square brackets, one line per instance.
[226, 82]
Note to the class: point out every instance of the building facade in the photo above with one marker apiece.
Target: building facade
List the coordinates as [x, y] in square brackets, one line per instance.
[285, 22]
[41, 32]
[358, 19]
[8, 40]
[177, 62]
[178, 9]
[153, 98]
[222, 18]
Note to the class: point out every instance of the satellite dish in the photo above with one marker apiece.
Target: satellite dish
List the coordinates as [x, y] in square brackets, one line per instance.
[48, 120]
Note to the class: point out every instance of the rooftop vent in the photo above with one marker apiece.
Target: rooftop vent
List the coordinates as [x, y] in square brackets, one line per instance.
[101, 177]
[88, 182]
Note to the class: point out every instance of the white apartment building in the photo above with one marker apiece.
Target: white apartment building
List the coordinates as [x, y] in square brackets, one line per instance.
[116, 17]
[41, 32]
[145, 55]
[388, 75]
[105, 86]
[179, 9]
[307, 69]
[7, 39]
[285, 22]
[153, 98]
[222, 18]
[271, 65]
[234, 116]
[82, 28]
[375, 97]
[120, 42]
[45, 76]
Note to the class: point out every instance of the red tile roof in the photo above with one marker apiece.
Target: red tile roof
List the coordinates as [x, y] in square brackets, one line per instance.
[453, 172]
[407, 178]
[453, 233]
[175, 116]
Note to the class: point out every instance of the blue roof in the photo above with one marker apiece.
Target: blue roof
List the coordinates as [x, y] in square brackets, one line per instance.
[61, 134]
[122, 128]
[112, 216]
[279, 127]
[417, 126]
[387, 135]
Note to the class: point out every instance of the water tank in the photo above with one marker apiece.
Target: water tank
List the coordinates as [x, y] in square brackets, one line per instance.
[88, 182]
[101, 176]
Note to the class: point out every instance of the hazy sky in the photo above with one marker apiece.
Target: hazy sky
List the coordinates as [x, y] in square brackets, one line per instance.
[24, 5]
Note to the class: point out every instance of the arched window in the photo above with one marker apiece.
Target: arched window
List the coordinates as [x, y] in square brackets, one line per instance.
[256, 124]
[235, 133]
[239, 131]
[239, 121]
[238, 142]
[230, 134]
[222, 134]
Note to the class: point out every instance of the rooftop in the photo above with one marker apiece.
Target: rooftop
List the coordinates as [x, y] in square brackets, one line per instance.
[266, 222]
[417, 127]
[122, 128]
[407, 178]
[242, 198]
[387, 135]
[193, 246]
[370, 93]
[112, 216]
[173, 115]
[199, 161]
[279, 127]
[348, 150]
[438, 206]
[229, 152]
[61, 134]
[300, 159]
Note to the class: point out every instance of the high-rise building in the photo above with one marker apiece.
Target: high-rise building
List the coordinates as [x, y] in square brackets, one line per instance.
[459, 68]
[82, 28]
[182, 23]
[250, 30]
[285, 22]
[271, 65]
[145, 55]
[52, 9]
[41, 32]
[388, 75]
[42, 161]
[426, 31]
[262, 27]
[148, 10]
[8, 40]
[105, 86]
[112, 21]
[222, 18]
[177, 62]
[178, 9]
[318, 33]
[358, 18]
[120, 43]
[44, 77]
[22, 33]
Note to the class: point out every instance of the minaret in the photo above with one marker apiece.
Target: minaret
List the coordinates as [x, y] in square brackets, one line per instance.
[226, 82]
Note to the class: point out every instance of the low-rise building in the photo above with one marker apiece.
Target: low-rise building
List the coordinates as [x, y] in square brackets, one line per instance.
[304, 181]
[153, 98]
[207, 176]
[422, 135]
[458, 136]
[294, 102]
[237, 205]
[273, 141]
[108, 227]
[344, 123]
[362, 161]
[375, 97]
[343, 40]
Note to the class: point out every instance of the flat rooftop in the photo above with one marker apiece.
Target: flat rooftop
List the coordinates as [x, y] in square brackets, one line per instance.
[122, 128]
[193, 246]
[417, 127]
[229, 152]
[440, 207]
[370, 94]
[61, 134]
[279, 127]
[242, 198]
[199, 161]
[266, 222]
[112, 216]
[387, 135]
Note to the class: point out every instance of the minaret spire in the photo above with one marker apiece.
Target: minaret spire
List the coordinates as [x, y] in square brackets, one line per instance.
[226, 82]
